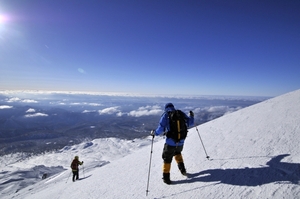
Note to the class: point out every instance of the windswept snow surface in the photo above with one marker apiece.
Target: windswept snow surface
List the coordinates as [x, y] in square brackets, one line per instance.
[254, 153]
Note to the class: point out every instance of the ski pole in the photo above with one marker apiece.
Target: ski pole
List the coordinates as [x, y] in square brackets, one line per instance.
[69, 177]
[202, 143]
[83, 171]
[149, 165]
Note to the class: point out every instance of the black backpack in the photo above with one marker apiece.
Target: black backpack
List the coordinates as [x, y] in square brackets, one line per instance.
[178, 128]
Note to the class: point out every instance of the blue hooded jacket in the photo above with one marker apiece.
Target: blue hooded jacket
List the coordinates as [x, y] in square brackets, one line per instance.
[164, 125]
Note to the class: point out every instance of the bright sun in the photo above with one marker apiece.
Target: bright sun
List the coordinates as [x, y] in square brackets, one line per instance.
[2, 19]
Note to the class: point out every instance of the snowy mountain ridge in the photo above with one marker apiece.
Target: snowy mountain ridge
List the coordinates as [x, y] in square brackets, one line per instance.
[254, 153]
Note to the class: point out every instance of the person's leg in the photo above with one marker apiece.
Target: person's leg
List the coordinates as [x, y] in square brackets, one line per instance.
[179, 160]
[77, 174]
[167, 155]
[74, 175]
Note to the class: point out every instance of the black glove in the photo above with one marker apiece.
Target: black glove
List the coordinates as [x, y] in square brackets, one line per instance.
[82, 162]
[191, 114]
[152, 133]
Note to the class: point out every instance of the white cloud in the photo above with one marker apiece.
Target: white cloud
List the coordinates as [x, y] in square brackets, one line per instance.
[216, 109]
[75, 103]
[224, 109]
[31, 110]
[94, 104]
[14, 99]
[197, 110]
[29, 101]
[88, 111]
[110, 110]
[5, 107]
[230, 110]
[36, 115]
[85, 103]
[119, 114]
[81, 70]
[146, 111]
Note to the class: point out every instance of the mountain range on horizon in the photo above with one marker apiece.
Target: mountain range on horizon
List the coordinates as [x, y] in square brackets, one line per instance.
[37, 122]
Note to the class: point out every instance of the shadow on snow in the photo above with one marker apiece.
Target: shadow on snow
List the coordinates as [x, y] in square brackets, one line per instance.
[85, 177]
[275, 171]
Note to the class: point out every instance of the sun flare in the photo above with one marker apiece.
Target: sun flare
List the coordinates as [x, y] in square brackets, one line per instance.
[3, 19]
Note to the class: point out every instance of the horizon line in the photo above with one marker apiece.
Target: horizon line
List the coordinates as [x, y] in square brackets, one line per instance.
[123, 94]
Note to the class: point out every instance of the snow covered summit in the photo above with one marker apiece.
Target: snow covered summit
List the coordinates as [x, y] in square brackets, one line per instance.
[254, 153]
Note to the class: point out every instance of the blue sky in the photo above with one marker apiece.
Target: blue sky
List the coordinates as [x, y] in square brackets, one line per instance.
[151, 47]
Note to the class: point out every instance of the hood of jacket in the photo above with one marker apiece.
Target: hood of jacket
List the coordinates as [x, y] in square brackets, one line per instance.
[169, 107]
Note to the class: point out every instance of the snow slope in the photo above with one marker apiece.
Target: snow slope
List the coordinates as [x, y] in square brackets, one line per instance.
[254, 153]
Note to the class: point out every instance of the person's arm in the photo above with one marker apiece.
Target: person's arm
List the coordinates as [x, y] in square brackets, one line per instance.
[190, 119]
[162, 125]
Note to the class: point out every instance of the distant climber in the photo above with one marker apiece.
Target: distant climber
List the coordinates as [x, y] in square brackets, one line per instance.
[74, 166]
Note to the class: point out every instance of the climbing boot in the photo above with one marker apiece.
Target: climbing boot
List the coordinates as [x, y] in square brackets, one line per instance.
[166, 178]
[182, 168]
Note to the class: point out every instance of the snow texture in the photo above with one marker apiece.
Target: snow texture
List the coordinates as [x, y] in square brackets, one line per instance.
[254, 153]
